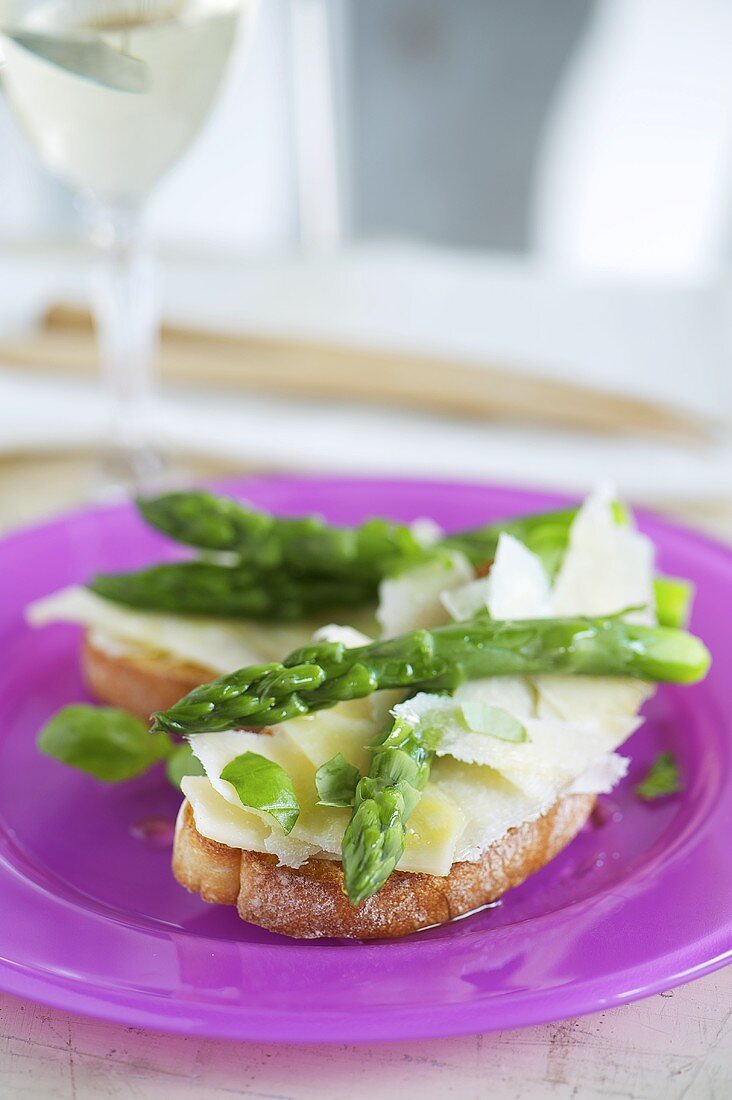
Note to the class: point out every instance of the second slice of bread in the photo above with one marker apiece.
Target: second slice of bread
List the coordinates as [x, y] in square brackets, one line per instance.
[139, 684]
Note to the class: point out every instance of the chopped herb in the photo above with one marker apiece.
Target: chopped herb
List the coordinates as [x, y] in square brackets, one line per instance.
[495, 721]
[105, 742]
[336, 782]
[182, 762]
[261, 784]
[662, 778]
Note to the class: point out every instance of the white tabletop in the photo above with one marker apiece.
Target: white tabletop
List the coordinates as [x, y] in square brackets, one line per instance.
[672, 1046]
[666, 341]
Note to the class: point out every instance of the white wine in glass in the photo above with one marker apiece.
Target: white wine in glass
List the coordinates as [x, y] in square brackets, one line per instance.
[111, 93]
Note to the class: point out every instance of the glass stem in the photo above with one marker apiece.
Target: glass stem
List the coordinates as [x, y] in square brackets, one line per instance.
[126, 321]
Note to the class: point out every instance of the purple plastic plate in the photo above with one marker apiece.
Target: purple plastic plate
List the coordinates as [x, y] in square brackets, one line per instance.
[92, 921]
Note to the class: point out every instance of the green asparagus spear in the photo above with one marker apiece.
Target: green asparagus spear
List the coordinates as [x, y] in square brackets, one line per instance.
[322, 675]
[311, 545]
[374, 839]
[307, 546]
[673, 600]
[206, 588]
[352, 560]
[546, 533]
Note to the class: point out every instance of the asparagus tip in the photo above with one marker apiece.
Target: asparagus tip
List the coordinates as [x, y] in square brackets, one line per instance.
[676, 656]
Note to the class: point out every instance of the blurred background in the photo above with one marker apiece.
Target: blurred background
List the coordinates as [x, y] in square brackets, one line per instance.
[456, 238]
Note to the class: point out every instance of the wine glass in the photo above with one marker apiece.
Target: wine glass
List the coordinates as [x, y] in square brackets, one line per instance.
[111, 93]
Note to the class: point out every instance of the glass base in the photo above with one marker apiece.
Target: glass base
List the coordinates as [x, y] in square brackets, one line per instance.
[130, 471]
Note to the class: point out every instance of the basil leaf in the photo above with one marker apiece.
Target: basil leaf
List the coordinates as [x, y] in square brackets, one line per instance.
[336, 782]
[495, 721]
[264, 785]
[182, 762]
[663, 778]
[107, 743]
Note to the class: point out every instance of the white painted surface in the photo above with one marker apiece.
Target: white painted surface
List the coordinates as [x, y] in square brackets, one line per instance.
[634, 173]
[673, 1046]
[669, 342]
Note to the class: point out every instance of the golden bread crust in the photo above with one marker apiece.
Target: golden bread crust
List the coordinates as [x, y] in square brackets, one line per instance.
[139, 684]
[308, 902]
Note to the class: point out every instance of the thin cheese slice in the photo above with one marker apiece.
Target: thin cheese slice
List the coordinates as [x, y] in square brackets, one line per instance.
[596, 697]
[601, 776]
[318, 828]
[556, 753]
[608, 567]
[347, 729]
[217, 819]
[346, 635]
[515, 694]
[413, 599]
[465, 601]
[216, 750]
[553, 753]
[517, 585]
[433, 831]
[212, 643]
[491, 805]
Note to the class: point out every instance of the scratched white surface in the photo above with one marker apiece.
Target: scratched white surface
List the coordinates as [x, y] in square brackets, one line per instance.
[674, 1046]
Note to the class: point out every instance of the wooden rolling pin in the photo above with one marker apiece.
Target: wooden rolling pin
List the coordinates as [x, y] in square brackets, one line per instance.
[305, 368]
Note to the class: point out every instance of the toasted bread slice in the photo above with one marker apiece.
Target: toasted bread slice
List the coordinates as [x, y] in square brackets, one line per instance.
[139, 684]
[309, 902]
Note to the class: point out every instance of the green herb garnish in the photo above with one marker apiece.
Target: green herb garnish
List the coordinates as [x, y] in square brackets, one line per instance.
[112, 745]
[495, 721]
[261, 784]
[336, 782]
[663, 778]
[105, 742]
[181, 763]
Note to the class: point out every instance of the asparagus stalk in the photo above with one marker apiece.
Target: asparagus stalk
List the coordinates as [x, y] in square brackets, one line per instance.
[546, 533]
[206, 588]
[307, 546]
[311, 545]
[374, 839]
[319, 676]
[311, 552]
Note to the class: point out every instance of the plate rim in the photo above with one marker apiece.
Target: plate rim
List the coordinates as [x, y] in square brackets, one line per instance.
[277, 1025]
